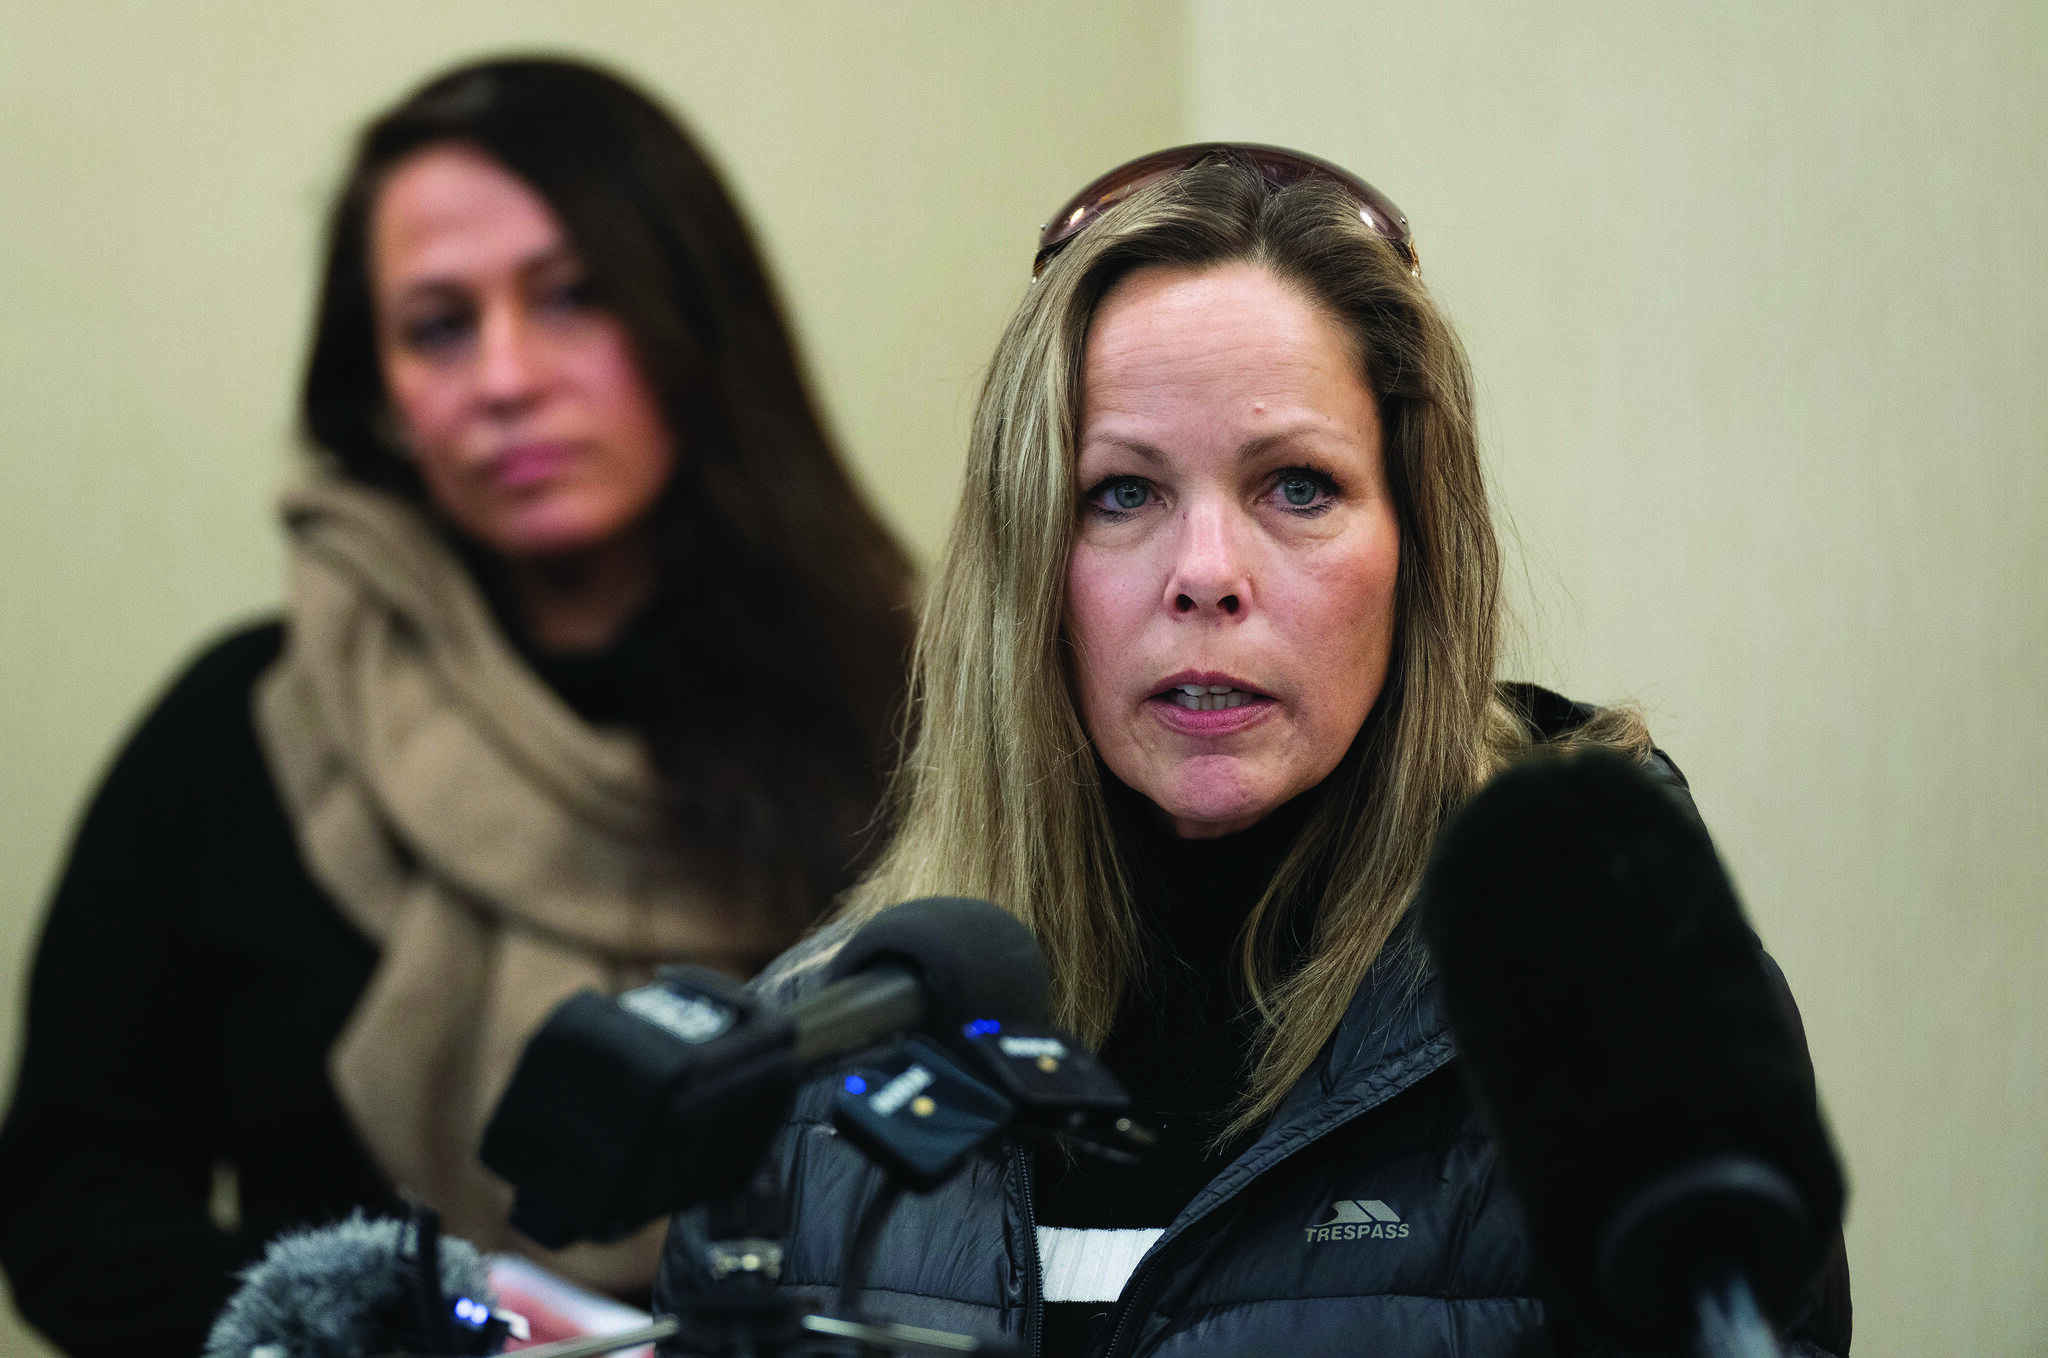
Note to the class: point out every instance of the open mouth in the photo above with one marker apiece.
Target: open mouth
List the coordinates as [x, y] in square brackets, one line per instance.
[1208, 697]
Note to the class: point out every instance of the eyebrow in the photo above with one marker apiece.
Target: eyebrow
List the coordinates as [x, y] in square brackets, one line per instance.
[1138, 447]
[537, 262]
[1246, 451]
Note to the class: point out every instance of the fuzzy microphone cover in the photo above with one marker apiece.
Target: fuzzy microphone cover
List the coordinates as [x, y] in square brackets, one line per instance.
[1613, 1010]
[326, 1292]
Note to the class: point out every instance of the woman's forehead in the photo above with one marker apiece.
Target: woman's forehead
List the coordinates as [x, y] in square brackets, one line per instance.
[453, 210]
[1231, 341]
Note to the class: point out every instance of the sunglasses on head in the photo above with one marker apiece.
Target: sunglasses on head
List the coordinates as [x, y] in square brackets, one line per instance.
[1277, 165]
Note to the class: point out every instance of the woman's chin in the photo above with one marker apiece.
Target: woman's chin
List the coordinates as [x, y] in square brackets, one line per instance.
[1204, 809]
[551, 530]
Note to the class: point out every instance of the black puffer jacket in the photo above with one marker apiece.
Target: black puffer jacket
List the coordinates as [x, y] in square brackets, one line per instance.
[1427, 1255]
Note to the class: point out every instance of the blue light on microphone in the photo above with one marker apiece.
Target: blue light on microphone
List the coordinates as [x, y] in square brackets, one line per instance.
[856, 1085]
[474, 1314]
[983, 1027]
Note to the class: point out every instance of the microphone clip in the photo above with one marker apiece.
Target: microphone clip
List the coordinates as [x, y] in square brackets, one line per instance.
[421, 1318]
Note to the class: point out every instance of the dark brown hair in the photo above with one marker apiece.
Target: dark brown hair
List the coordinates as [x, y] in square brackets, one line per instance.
[770, 700]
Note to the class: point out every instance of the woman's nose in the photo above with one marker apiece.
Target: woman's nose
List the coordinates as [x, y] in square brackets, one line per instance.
[510, 367]
[1209, 575]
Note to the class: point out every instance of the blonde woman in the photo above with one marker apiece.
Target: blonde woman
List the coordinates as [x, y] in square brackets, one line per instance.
[1207, 661]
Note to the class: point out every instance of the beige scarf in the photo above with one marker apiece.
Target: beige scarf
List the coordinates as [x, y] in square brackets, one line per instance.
[502, 853]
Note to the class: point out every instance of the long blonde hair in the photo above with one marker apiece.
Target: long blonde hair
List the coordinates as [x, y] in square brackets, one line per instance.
[1000, 794]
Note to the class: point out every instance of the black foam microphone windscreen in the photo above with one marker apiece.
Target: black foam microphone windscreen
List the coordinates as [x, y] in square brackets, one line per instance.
[1652, 1099]
[973, 958]
[623, 1111]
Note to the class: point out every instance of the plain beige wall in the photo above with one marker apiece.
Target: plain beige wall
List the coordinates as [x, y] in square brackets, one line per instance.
[165, 168]
[1751, 292]
[1755, 298]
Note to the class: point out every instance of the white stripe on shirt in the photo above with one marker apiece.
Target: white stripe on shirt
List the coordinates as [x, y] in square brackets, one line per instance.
[1090, 1265]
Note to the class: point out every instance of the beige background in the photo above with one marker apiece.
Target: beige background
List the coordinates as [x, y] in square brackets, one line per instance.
[1752, 291]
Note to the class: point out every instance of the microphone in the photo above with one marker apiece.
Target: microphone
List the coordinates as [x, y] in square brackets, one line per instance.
[1653, 1101]
[361, 1286]
[622, 1112]
[969, 959]
[388, 1287]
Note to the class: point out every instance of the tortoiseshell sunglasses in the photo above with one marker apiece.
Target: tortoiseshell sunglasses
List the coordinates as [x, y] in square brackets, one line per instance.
[1279, 167]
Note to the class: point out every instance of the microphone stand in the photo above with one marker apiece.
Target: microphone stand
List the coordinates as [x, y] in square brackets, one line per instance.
[918, 1116]
[587, 1346]
[748, 1318]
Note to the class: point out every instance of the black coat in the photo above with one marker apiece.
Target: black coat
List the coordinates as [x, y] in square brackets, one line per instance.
[172, 1110]
[1383, 1118]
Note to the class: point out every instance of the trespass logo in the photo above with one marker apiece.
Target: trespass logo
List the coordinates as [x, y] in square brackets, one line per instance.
[1363, 1219]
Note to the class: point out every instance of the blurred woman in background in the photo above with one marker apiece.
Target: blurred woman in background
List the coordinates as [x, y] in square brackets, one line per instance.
[591, 661]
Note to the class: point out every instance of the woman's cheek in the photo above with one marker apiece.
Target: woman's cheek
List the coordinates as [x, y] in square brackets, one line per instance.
[428, 417]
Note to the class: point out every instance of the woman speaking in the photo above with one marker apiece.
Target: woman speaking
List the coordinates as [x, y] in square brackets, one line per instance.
[1207, 662]
[590, 664]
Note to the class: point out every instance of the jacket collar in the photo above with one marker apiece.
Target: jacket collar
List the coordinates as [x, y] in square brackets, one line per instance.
[1393, 1034]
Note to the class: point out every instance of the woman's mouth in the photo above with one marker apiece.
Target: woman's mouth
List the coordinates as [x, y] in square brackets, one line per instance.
[524, 466]
[1210, 705]
[1207, 697]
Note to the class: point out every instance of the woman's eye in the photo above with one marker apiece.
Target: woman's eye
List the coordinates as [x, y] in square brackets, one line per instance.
[1303, 489]
[574, 295]
[435, 332]
[1120, 495]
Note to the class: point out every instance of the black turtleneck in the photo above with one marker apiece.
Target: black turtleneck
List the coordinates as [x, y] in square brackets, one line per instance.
[1182, 1039]
[608, 685]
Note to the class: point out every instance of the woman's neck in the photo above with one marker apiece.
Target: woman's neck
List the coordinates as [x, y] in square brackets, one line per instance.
[1226, 872]
[582, 601]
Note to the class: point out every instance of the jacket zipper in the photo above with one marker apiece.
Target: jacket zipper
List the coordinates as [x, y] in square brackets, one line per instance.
[1134, 1291]
[1034, 1273]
